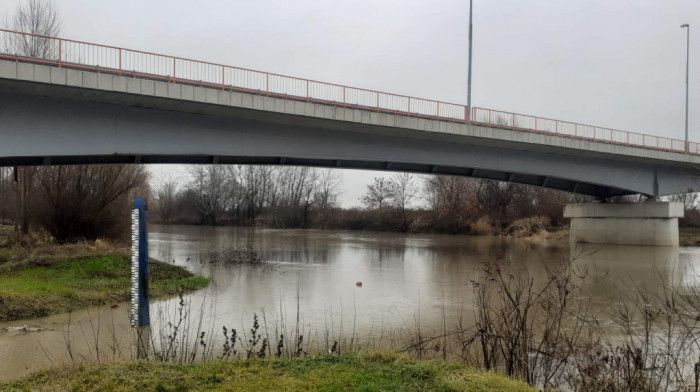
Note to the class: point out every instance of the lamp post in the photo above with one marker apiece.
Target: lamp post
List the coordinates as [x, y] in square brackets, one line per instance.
[687, 66]
[469, 77]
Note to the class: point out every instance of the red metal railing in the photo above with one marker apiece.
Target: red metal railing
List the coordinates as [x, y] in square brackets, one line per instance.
[110, 59]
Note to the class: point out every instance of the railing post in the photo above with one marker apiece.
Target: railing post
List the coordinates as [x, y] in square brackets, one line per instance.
[60, 46]
[514, 121]
[437, 116]
[556, 126]
[223, 78]
[409, 106]
[490, 117]
[308, 98]
[536, 130]
[120, 61]
[267, 83]
[628, 137]
[377, 101]
[343, 96]
[173, 69]
[466, 113]
[575, 129]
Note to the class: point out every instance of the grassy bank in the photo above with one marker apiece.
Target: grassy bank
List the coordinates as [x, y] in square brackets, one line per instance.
[67, 285]
[41, 279]
[368, 372]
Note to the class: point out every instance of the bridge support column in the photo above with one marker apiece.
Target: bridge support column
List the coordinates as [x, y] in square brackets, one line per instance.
[648, 223]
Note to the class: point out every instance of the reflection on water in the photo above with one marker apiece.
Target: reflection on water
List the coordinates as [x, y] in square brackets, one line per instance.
[402, 276]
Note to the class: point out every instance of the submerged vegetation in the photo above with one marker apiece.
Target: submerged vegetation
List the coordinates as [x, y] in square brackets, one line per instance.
[357, 372]
[239, 255]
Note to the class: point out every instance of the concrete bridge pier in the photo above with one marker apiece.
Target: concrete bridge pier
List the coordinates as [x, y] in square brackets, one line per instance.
[651, 223]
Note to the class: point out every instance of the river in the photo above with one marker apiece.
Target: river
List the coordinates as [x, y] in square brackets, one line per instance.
[407, 281]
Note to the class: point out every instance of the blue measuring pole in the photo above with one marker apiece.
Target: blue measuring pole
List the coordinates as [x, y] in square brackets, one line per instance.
[143, 296]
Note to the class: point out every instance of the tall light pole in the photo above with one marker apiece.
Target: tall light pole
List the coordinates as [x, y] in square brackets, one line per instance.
[469, 77]
[687, 66]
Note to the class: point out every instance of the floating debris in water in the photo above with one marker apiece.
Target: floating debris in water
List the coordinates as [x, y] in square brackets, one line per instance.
[239, 255]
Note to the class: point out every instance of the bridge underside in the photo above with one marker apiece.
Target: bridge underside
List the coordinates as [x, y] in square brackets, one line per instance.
[43, 124]
[525, 179]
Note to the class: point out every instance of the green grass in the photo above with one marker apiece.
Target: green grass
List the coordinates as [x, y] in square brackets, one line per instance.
[63, 284]
[355, 372]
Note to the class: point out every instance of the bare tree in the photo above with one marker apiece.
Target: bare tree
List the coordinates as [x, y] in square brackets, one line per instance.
[403, 191]
[210, 184]
[25, 179]
[326, 194]
[39, 17]
[452, 200]
[495, 198]
[378, 194]
[296, 188]
[166, 190]
[87, 201]
[689, 199]
[5, 194]
[258, 188]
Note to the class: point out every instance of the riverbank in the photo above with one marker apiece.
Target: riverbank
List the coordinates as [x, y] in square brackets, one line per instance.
[366, 372]
[42, 279]
[687, 236]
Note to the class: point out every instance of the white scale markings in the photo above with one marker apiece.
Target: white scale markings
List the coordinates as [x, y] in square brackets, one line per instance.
[134, 267]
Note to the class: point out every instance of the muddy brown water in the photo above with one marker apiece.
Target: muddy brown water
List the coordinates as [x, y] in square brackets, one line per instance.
[407, 279]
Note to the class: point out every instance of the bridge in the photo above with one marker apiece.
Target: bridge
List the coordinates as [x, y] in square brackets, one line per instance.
[80, 102]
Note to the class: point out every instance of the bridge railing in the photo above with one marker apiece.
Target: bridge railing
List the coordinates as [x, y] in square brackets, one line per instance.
[68, 53]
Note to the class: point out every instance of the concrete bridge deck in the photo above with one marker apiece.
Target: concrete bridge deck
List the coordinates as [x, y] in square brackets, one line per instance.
[52, 115]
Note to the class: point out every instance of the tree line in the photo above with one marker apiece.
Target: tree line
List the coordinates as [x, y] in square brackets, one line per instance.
[93, 201]
[304, 197]
[71, 202]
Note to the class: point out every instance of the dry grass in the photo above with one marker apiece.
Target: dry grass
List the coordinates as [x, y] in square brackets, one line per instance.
[39, 249]
[527, 227]
[483, 226]
[47, 254]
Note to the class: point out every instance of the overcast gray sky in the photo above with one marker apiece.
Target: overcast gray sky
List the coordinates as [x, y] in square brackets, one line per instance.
[618, 64]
